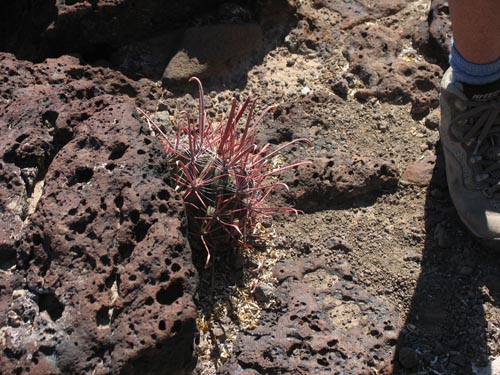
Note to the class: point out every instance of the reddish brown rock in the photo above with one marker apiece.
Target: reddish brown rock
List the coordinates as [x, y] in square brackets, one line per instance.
[373, 51]
[433, 37]
[330, 180]
[420, 172]
[326, 324]
[97, 275]
[440, 28]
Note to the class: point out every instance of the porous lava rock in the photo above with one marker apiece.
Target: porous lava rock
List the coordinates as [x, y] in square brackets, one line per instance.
[375, 54]
[433, 37]
[378, 40]
[96, 271]
[324, 324]
[327, 181]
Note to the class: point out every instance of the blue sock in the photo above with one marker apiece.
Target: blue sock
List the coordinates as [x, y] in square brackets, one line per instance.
[473, 74]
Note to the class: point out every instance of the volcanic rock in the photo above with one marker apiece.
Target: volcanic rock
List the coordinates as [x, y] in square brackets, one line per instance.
[420, 172]
[97, 275]
[329, 180]
[325, 324]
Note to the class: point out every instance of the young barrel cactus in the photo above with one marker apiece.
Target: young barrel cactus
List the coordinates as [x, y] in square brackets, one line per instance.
[223, 177]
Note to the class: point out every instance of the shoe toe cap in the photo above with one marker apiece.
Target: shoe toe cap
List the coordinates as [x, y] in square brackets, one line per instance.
[483, 224]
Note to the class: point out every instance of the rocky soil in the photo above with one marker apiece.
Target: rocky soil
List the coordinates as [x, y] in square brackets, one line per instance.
[376, 276]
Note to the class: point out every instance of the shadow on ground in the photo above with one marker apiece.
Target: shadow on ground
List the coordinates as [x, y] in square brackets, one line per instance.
[446, 331]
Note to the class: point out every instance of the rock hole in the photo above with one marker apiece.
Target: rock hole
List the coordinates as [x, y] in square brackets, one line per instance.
[49, 302]
[164, 276]
[125, 249]
[132, 277]
[82, 175]
[119, 201]
[162, 326]
[50, 117]
[314, 327]
[149, 301]
[322, 361]
[102, 316]
[110, 166]
[21, 138]
[164, 195]
[77, 250]
[167, 296]
[294, 350]
[118, 151]
[163, 208]
[81, 224]
[141, 230]
[37, 239]
[47, 350]
[7, 257]
[375, 333]
[332, 343]
[424, 85]
[10, 354]
[110, 280]
[141, 152]
[134, 216]
[105, 260]
[72, 212]
[175, 267]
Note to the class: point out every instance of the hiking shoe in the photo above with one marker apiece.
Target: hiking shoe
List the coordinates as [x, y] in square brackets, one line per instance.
[470, 135]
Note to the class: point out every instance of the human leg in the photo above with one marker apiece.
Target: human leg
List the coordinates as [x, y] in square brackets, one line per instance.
[476, 29]
[470, 116]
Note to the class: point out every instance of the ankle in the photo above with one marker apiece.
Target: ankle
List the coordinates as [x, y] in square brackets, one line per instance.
[471, 73]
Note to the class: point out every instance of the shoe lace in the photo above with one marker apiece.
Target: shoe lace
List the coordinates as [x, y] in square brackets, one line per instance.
[484, 135]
